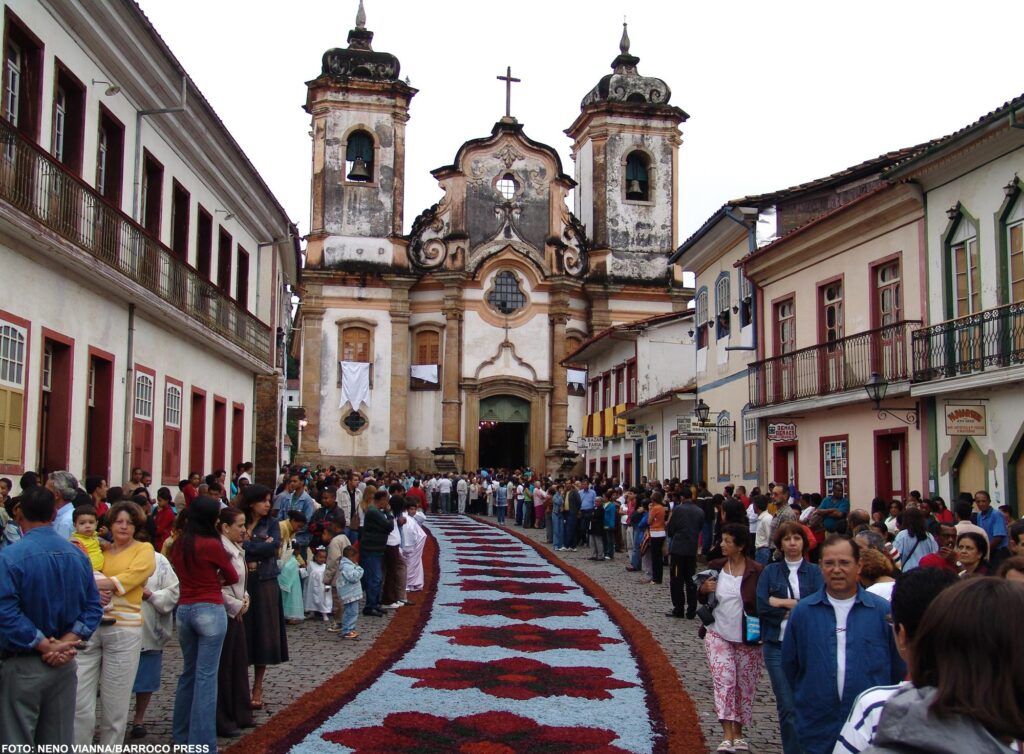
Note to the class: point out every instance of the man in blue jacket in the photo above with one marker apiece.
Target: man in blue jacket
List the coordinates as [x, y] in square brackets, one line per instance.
[838, 643]
[48, 604]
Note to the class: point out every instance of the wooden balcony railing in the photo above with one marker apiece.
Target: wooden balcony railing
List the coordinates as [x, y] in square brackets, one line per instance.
[36, 184]
[980, 342]
[833, 367]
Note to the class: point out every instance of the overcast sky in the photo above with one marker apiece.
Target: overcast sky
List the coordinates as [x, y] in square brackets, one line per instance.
[777, 93]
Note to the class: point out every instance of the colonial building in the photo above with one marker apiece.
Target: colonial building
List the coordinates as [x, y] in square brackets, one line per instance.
[968, 365]
[145, 262]
[640, 388]
[837, 296]
[758, 385]
[444, 347]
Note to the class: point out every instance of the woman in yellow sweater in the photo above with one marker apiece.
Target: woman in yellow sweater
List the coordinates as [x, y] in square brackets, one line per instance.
[111, 656]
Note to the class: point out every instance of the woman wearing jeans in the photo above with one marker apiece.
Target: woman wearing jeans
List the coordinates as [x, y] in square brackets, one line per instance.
[203, 566]
[782, 584]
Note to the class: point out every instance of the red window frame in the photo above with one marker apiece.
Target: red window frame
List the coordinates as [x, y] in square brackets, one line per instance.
[170, 467]
[13, 319]
[142, 429]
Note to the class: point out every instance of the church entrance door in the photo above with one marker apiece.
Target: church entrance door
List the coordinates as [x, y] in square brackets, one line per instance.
[504, 432]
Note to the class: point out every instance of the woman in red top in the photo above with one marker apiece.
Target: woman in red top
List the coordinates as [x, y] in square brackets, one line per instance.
[202, 566]
[164, 517]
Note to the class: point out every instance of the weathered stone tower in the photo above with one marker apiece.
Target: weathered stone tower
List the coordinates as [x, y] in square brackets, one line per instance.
[626, 145]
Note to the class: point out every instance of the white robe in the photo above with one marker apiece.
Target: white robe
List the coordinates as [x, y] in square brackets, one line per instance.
[318, 599]
[414, 539]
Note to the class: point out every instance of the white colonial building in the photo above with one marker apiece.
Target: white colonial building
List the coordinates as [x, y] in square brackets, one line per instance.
[145, 263]
[640, 392]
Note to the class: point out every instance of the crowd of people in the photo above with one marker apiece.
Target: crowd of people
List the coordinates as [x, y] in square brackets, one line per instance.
[848, 609]
[95, 581]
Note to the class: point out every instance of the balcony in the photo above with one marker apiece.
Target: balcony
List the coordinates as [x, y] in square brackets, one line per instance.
[835, 367]
[970, 346]
[33, 182]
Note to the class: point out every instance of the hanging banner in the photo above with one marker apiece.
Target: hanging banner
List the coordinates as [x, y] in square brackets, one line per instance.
[965, 420]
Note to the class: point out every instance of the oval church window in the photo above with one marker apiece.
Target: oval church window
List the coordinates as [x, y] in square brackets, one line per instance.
[506, 296]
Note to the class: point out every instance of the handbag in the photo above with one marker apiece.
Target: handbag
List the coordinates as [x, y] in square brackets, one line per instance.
[645, 544]
[705, 614]
[751, 629]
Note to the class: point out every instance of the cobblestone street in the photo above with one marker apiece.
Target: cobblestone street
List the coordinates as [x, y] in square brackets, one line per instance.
[316, 655]
[649, 603]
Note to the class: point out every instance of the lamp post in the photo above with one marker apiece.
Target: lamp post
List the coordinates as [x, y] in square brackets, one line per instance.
[876, 388]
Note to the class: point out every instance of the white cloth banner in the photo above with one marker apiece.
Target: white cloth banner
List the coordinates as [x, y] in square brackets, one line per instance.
[577, 376]
[702, 360]
[425, 372]
[355, 383]
[722, 355]
[747, 336]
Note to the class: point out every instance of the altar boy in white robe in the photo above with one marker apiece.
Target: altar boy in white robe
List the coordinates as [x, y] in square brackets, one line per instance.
[414, 539]
[318, 598]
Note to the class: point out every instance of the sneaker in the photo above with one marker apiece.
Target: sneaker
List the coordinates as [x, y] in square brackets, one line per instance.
[606, 557]
[572, 549]
[335, 629]
[350, 635]
[725, 747]
[392, 606]
[740, 744]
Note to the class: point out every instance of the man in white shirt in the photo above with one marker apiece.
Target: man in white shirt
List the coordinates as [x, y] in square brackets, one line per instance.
[462, 493]
[763, 531]
[444, 487]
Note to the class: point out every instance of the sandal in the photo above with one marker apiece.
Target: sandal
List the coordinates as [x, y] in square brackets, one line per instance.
[350, 635]
[257, 705]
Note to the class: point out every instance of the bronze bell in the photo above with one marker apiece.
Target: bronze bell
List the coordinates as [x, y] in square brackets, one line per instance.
[633, 190]
[359, 171]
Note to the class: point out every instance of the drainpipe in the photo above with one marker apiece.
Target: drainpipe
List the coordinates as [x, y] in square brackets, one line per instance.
[129, 394]
[137, 188]
[748, 219]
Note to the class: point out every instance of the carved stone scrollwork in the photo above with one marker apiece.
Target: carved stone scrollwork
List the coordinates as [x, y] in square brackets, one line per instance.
[509, 155]
[571, 253]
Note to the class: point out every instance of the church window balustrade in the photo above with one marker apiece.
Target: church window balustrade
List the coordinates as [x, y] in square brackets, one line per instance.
[506, 297]
[426, 353]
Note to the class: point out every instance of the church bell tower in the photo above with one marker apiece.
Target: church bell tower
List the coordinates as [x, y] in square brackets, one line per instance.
[359, 109]
[626, 146]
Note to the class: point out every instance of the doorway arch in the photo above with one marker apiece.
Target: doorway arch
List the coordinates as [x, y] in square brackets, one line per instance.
[504, 431]
[969, 470]
[518, 394]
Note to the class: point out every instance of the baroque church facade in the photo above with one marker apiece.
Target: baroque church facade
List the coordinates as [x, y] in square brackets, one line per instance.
[445, 348]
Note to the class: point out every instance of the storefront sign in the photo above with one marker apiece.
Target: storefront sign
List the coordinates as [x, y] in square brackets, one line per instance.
[635, 432]
[590, 443]
[965, 420]
[782, 432]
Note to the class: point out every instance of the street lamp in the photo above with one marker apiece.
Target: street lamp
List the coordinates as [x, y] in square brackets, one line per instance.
[876, 387]
[569, 432]
[701, 411]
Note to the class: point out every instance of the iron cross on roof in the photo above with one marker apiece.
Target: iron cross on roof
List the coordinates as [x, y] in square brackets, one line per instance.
[507, 78]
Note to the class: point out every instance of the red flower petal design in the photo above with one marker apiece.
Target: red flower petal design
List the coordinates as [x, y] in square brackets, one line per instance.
[510, 573]
[527, 637]
[462, 548]
[520, 608]
[513, 587]
[484, 733]
[518, 678]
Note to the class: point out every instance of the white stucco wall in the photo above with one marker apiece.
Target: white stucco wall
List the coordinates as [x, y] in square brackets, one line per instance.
[47, 298]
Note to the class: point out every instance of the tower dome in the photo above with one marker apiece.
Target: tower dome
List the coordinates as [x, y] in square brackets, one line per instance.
[626, 84]
[359, 60]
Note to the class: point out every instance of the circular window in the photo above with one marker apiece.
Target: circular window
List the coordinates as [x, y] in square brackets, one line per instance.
[507, 187]
[506, 296]
[354, 422]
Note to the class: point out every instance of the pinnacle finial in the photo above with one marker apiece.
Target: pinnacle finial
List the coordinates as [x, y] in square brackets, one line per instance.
[361, 16]
[623, 43]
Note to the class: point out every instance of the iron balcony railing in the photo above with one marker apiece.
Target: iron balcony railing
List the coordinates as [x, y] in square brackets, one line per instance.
[980, 342]
[832, 367]
[42, 188]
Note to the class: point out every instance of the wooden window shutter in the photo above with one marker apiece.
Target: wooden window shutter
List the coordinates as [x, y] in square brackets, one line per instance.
[11, 402]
